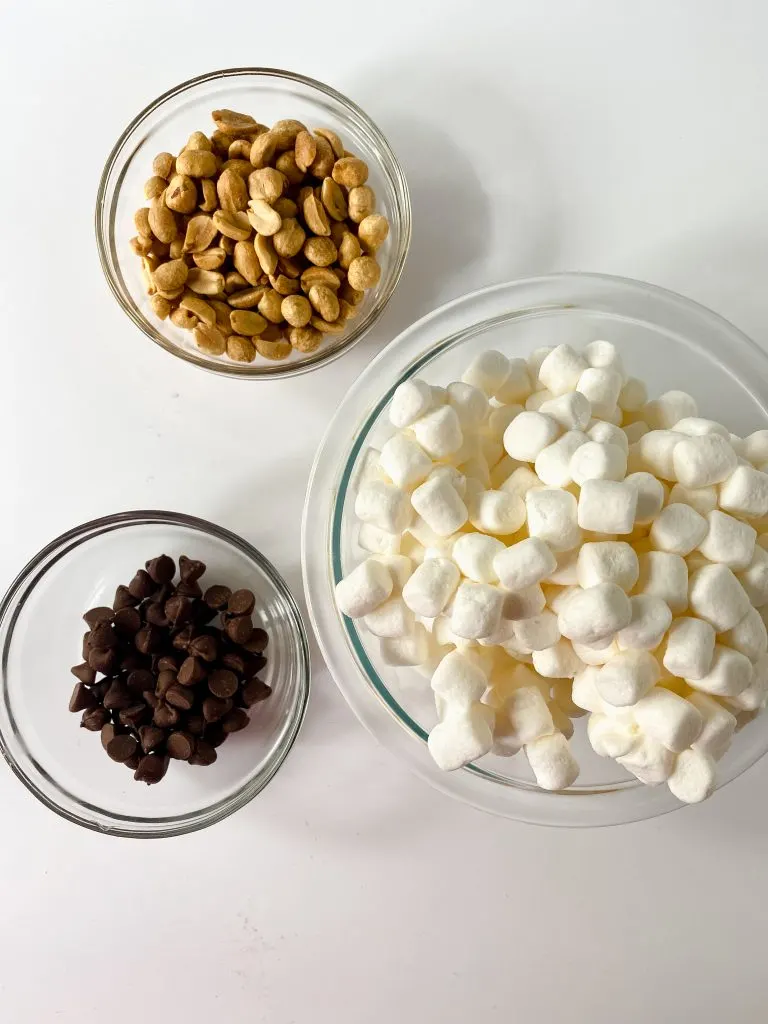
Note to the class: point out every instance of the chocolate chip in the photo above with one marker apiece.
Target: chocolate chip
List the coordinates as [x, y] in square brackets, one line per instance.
[102, 659]
[134, 716]
[131, 661]
[148, 640]
[191, 672]
[100, 689]
[222, 683]
[257, 641]
[142, 585]
[133, 761]
[214, 709]
[190, 569]
[94, 719]
[155, 615]
[151, 768]
[103, 636]
[86, 648]
[191, 590]
[202, 614]
[118, 697]
[203, 754]
[235, 662]
[140, 679]
[241, 602]
[165, 716]
[215, 735]
[195, 725]
[217, 597]
[124, 599]
[81, 698]
[121, 747]
[150, 737]
[236, 720]
[161, 595]
[255, 691]
[180, 697]
[151, 699]
[204, 647]
[94, 616]
[178, 610]
[168, 663]
[239, 629]
[180, 746]
[183, 638]
[127, 621]
[84, 673]
[162, 569]
[165, 680]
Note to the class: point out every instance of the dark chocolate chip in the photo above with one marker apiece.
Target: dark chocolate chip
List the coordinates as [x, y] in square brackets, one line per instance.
[140, 679]
[102, 659]
[151, 737]
[168, 663]
[151, 699]
[202, 614]
[142, 585]
[100, 689]
[151, 768]
[178, 610]
[165, 680]
[155, 615]
[165, 716]
[121, 747]
[94, 719]
[239, 629]
[222, 683]
[81, 698]
[180, 746]
[191, 590]
[107, 734]
[191, 672]
[204, 647]
[148, 640]
[103, 636]
[162, 569]
[190, 569]
[124, 599]
[241, 602]
[118, 697]
[183, 638]
[180, 697]
[127, 621]
[84, 673]
[134, 716]
[94, 616]
[133, 761]
[255, 691]
[236, 720]
[195, 725]
[132, 660]
[203, 754]
[257, 642]
[217, 597]
[235, 662]
[214, 709]
[215, 735]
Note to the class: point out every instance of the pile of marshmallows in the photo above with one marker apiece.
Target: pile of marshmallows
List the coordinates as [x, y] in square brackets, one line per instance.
[546, 542]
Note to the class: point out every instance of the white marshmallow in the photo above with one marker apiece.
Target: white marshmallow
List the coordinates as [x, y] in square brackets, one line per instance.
[411, 400]
[593, 614]
[410, 650]
[666, 576]
[607, 506]
[557, 661]
[552, 517]
[651, 618]
[439, 432]
[476, 610]
[524, 603]
[434, 545]
[476, 469]
[458, 680]
[668, 718]
[561, 369]
[716, 596]
[566, 573]
[503, 470]
[431, 586]
[584, 692]
[438, 504]
[719, 726]
[668, 409]
[517, 384]
[537, 633]
[520, 482]
[439, 395]
[678, 529]
[400, 568]
[524, 563]
[383, 505]
[595, 656]
[745, 492]
[649, 761]
[597, 461]
[534, 361]
[488, 371]
[755, 694]
[695, 426]
[456, 479]
[381, 542]
[755, 447]
[470, 404]
[693, 777]
[702, 499]
[729, 674]
[460, 738]
[608, 561]
[498, 512]
[571, 410]
[535, 401]
[610, 735]
[650, 496]
[560, 719]
[633, 395]
[728, 541]
[497, 422]
[754, 579]
[702, 461]
[366, 587]
[553, 463]
[749, 636]
[552, 762]
[602, 388]
[656, 450]
[528, 715]
[607, 433]
[412, 548]
[603, 355]
[627, 677]
[405, 462]
[491, 449]
[474, 554]
[528, 434]
[562, 696]
[634, 431]
[391, 619]
[557, 601]
[690, 648]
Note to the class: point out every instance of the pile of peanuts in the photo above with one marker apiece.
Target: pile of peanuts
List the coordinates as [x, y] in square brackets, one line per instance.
[546, 542]
[259, 239]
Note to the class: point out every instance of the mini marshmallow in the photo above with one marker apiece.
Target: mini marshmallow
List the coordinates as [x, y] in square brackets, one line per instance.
[431, 586]
[597, 461]
[381, 542]
[439, 432]
[566, 573]
[476, 469]
[503, 470]
[476, 610]
[603, 355]
[562, 696]
[702, 461]
[524, 603]
[400, 568]
[535, 401]
[404, 651]
[696, 426]
[392, 619]
[728, 541]
[634, 431]
[690, 648]
[633, 395]
[609, 561]
[560, 720]
[528, 434]
[384, 505]
[656, 450]
[537, 633]
[749, 637]
[611, 736]
[438, 504]
[716, 596]
[666, 576]
[729, 674]
[405, 462]
[607, 433]
[557, 601]
[584, 692]
[534, 361]
[411, 547]
[439, 395]
[553, 463]
[470, 404]
[649, 761]
[602, 388]
[517, 384]
[491, 449]
[520, 482]
[498, 421]
[626, 678]
[561, 369]
[755, 447]
[571, 410]
[366, 587]
[552, 762]
[524, 563]
[693, 777]
[651, 618]
[678, 529]
[668, 409]
[755, 695]
[702, 499]
[596, 613]
[474, 554]
[434, 545]
[458, 681]
[552, 517]
[754, 579]
[607, 506]
[745, 492]
[718, 728]
[528, 715]
[488, 371]
[650, 496]
[595, 656]
[498, 512]
[670, 719]
[412, 400]
[460, 738]
[557, 661]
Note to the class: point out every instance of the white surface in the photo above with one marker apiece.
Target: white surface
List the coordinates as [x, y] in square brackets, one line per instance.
[626, 138]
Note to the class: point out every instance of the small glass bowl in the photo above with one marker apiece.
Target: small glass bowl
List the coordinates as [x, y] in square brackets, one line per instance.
[40, 637]
[268, 95]
[666, 340]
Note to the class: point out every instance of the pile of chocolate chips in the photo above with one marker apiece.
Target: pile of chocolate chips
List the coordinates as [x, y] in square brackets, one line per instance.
[160, 680]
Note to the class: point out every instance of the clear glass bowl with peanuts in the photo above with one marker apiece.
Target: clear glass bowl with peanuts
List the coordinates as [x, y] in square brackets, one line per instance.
[253, 222]
[555, 612]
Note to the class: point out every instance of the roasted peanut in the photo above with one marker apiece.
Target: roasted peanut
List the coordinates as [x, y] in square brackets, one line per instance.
[242, 350]
[247, 262]
[279, 349]
[163, 165]
[244, 321]
[305, 339]
[363, 273]
[290, 238]
[209, 340]
[372, 231]
[320, 251]
[361, 202]
[263, 218]
[324, 300]
[170, 276]
[296, 310]
[232, 191]
[196, 163]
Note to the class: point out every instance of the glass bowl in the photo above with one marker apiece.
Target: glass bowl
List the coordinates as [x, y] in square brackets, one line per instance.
[668, 341]
[268, 95]
[40, 633]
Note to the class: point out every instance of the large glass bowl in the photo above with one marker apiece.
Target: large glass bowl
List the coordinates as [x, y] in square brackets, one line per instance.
[268, 95]
[668, 341]
[40, 636]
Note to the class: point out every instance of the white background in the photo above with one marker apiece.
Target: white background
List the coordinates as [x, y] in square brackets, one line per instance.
[622, 137]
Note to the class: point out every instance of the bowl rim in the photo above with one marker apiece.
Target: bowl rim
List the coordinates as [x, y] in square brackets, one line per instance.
[24, 585]
[248, 371]
[330, 475]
